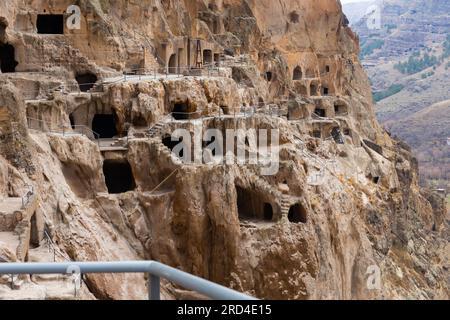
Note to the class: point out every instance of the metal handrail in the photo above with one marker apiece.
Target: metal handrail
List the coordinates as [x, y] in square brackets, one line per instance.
[52, 245]
[155, 270]
[64, 129]
[83, 128]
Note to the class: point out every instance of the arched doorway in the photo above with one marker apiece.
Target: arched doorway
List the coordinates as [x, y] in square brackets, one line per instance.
[207, 57]
[297, 73]
[173, 64]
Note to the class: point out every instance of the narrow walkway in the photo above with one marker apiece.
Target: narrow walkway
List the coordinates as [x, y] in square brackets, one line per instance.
[113, 144]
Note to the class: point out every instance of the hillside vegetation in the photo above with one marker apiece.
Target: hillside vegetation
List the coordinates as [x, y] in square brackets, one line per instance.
[427, 132]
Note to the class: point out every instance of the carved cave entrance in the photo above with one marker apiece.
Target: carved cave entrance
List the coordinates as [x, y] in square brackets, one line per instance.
[297, 74]
[320, 112]
[118, 176]
[207, 57]
[217, 59]
[8, 63]
[252, 207]
[297, 214]
[340, 108]
[105, 125]
[313, 90]
[173, 64]
[181, 111]
[50, 24]
[72, 120]
[86, 81]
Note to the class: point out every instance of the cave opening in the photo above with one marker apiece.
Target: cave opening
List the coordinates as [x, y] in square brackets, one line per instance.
[320, 112]
[72, 121]
[173, 64]
[340, 109]
[118, 176]
[171, 144]
[207, 57]
[297, 214]
[50, 24]
[268, 212]
[313, 90]
[216, 26]
[325, 91]
[297, 73]
[104, 125]
[225, 110]
[34, 232]
[337, 135]
[317, 134]
[217, 59]
[8, 63]
[269, 76]
[180, 111]
[327, 69]
[86, 81]
[251, 206]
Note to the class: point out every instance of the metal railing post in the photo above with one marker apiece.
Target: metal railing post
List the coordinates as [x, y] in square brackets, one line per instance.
[154, 287]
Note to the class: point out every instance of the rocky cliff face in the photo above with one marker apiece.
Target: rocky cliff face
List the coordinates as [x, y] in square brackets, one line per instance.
[344, 201]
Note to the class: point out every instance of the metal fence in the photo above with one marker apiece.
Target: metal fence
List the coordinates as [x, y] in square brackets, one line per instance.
[155, 270]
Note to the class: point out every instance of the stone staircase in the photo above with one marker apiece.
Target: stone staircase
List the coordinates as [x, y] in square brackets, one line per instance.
[4, 120]
[284, 199]
[15, 229]
[166, 153]
[156, 130]
[4, 114]
[43, 287]
[286, 202]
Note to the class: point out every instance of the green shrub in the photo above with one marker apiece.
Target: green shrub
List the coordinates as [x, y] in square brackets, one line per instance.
[416, 64]
[393, 89]
[370, 46]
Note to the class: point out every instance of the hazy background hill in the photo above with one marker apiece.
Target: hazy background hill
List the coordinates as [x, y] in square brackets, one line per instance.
[355, 11]
[408, 62]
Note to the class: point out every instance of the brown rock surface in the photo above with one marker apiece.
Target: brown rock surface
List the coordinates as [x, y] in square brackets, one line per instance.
[321, 238]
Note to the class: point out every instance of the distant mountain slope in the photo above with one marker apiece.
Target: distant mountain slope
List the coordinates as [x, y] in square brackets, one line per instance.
[357, 10]
[427, 132]
[408, 62]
